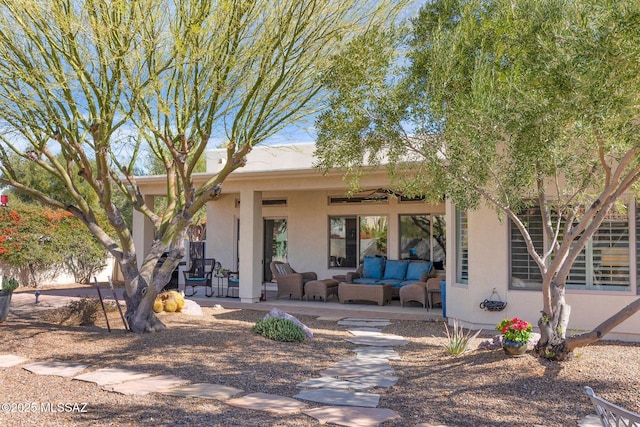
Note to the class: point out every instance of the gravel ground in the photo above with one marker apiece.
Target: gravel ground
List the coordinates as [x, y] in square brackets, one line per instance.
[479, 388]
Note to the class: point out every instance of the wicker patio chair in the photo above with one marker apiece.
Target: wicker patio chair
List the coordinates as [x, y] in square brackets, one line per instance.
[290, 282]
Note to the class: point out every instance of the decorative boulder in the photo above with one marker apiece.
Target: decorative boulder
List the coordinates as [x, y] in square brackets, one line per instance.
[282, 315]
[492, 344]
[192, 308]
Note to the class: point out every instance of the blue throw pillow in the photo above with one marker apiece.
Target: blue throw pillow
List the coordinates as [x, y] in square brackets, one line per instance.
[373, 267]
[417, 269]
[395, 269]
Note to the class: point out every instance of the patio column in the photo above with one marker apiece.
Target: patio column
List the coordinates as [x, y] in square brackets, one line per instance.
[250, 246]
[144, 233]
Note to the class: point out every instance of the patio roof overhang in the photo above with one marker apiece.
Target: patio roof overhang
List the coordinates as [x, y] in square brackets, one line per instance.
[278, 180]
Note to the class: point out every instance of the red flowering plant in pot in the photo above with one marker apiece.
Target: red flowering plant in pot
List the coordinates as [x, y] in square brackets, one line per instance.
[515, 333]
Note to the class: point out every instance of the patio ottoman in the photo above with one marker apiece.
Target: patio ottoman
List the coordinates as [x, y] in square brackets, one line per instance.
[354, 292]
[321, 289]
[414, 292]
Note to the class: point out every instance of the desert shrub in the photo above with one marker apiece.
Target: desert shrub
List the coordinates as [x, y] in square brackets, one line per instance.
[279, 329]
[39, 242]
[458, 341]
[9, 284]
[83, 312]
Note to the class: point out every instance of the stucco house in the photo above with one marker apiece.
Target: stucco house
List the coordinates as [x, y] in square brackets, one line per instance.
[279, 207]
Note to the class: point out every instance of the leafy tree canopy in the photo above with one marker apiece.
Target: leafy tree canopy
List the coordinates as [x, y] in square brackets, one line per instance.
[90, 87]
[514, 102]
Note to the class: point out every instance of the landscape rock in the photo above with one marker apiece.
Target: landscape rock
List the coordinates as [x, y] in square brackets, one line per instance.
[192, 308]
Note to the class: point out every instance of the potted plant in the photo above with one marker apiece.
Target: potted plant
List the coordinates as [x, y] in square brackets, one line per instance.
[515, 335]
[8, 286]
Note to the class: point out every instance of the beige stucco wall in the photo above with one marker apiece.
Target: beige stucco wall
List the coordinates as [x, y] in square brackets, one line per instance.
[489, 268]
[285, 172]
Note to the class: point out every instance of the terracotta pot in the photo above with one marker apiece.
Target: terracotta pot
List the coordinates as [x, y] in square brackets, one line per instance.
[514, 348]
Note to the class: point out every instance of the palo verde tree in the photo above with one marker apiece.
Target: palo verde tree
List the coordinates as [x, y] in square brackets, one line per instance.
[106, 83]
[520, 104]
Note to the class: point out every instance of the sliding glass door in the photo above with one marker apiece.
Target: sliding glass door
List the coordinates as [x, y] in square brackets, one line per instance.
[275, 244]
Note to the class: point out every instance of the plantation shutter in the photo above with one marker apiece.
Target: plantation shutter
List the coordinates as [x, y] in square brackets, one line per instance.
[524, 271]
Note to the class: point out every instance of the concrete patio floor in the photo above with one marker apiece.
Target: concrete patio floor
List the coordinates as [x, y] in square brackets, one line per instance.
[331, 308]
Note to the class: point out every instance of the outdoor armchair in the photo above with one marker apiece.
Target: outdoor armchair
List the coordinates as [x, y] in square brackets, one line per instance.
[289, 281]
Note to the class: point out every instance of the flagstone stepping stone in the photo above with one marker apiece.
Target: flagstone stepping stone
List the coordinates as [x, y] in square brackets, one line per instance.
[347, 373]
[359, 367]
[364, 363]
[352, 417]
[340, 397]
[372, 381]
[356, 371]
[376, 324]
[147, 385]
[8, 360]
[365, 332]
[205, 391]
[377, 353]
[335, 383]
[379, 341]
[272, 403]
[442, 425]
[329, 318]
[61, 369]
[106, 376]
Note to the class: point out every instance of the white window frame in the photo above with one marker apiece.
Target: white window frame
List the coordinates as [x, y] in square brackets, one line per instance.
[589, 257]
[462, 245]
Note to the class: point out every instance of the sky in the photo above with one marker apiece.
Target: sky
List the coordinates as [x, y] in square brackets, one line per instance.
[305, 131]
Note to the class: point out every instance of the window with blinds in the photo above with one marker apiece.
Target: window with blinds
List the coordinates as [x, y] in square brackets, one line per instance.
[462, 248]
[524, 271]
[604, 263]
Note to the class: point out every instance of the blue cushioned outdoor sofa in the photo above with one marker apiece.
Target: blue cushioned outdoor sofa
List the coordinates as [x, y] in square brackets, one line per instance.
[377, 270]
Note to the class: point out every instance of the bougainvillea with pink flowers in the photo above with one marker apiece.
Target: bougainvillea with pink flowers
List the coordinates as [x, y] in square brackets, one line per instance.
[515, 329]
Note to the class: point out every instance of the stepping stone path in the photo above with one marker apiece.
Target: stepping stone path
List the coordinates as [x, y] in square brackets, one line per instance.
[352, 417]
[345, 382]
[107, 376]
[343, 385]
[268, 403]
[205, 391]
[347, 398]
[9, 360]
[61, 369]
[147, 385]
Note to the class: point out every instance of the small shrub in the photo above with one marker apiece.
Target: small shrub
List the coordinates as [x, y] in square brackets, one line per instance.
[83, 312]
[279, 329]
[458, 340]
[9, 284]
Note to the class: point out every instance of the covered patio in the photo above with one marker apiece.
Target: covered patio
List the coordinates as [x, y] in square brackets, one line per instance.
[280, 188]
